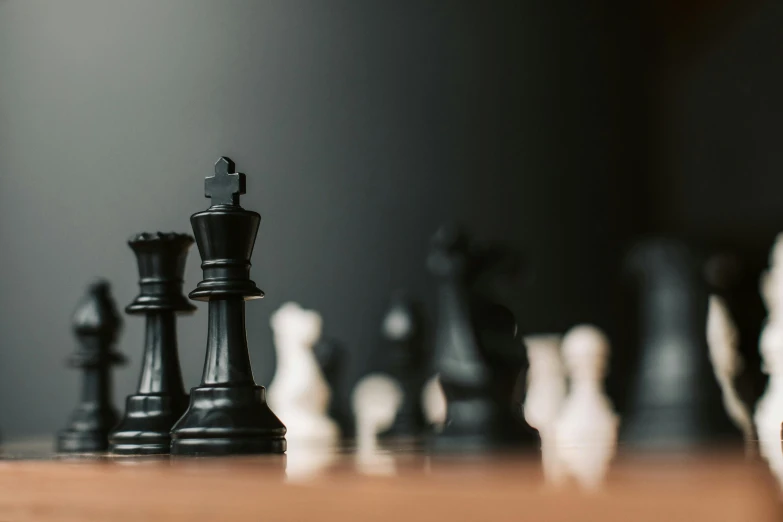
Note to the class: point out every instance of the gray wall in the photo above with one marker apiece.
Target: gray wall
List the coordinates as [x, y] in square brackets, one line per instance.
[360, 125]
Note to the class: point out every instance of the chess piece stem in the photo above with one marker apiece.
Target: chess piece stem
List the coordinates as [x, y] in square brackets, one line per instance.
[160, 372]
[227, 359]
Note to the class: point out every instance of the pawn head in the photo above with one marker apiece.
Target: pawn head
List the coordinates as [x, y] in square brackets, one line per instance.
[375, 401]
[585, 351]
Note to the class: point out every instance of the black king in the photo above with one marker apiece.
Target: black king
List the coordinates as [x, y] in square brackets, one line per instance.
[228, 413]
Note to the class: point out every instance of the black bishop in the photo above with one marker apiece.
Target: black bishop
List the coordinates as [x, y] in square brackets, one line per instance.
[96, 325]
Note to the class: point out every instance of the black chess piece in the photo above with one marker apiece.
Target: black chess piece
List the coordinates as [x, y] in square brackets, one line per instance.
[674, 399]
[331, 358]
[96, 324]
[403, 333]
[228, 413]
[160, 399]
[479, 352]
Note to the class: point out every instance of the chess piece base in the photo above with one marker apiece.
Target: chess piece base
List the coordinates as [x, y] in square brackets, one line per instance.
[88, 429]
[227, 446]
[228, 420]
[476, 426]
[72, 441]
[146, 426]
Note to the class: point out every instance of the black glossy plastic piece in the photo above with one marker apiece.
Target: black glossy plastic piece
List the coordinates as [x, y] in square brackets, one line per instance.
[160, 399]
[674, 400]
[96, 325]
[228, 413]
[479, 352]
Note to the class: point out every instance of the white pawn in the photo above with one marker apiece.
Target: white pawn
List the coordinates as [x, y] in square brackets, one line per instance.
[299, 394]
[375, 400]
[769, 410]
[586, 430]
[722, 339]
[546, 391]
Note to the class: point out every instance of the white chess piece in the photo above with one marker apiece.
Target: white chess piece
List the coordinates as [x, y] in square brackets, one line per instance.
[433, 403]
[375, 400]
[586, 430]
[769, 410]
[546, 392]
[768, 416]
[771, 287]
[299, 394]
[722, 339]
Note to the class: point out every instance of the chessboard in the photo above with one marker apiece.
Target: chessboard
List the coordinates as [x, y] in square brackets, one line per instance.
[398, 482]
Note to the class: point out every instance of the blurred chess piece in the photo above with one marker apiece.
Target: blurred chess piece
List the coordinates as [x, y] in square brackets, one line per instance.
[433, 403]
[727, 363]
[376, 399]
[331, 356]
[298, 393]
[479, 354]
[674, 400]
[768, 417]
[96, 324]
[586, 429]
[403, 335]
[546, 392]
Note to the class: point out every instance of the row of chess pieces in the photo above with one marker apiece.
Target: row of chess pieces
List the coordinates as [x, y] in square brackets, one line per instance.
[481, 386]
[559, 392]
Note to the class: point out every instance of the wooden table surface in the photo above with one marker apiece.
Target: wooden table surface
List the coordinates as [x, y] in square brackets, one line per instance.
[394, 486]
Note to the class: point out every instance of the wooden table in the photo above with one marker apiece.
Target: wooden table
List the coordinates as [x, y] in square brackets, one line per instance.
[395, 486]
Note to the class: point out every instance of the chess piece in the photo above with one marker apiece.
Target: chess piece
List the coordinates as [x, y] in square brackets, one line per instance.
[433, 404]
[298, 393]
[733, 278]
[586, 429]
[768, 417]
[479, 353]
[160, 399]
[376, 401]
[331, 358]
[96, 325]
[723, 341]
[546, 392]
[228, 413]
[675, 402]
[402, 330]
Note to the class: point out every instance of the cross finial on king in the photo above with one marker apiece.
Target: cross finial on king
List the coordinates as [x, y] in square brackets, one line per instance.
[226, 185]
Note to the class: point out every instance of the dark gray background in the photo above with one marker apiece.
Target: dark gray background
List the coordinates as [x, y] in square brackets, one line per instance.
[563, 128]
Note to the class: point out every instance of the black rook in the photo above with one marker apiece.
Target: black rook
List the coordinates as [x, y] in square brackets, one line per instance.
[160, 399]
[228, 413]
